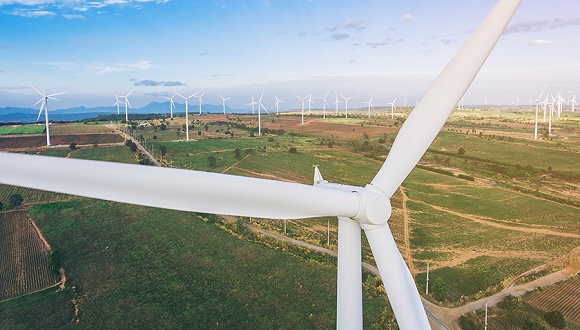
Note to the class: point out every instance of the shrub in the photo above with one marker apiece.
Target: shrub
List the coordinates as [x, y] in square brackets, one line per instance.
[54, 261]
[15, 200]
[466, 177]
[292, 150]
[461, 151]
[72, 146]
[555, 319]
[1, 206]
[211, 162]
[531, 324]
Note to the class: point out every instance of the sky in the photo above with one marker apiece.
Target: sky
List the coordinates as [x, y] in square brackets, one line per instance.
[283, 48]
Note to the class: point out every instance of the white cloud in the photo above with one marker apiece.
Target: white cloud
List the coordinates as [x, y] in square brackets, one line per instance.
[539, 42]
[408, 16]
[103, 68]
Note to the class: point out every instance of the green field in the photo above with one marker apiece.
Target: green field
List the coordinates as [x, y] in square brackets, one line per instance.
[138, 267]
[21, 129]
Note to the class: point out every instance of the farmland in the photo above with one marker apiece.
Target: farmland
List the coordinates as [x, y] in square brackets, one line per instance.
[515, 207]
[21, 129]
[24, 257]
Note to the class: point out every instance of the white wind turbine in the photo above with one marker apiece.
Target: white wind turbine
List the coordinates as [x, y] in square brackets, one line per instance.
[370, 106]
[536, 121]
[324, 104]
[127, 105]
[310, 102]
[404, 102]
[393, 107]
[302, 99]
[187, 112]
[117, 103]
[260, 106]
[200, 100]
[346, 105]
[336, 104]
[224, 102]
[171, 104]
[44, 105]
[572, 102]
[367, 208]
[277, 102]
[253, 103]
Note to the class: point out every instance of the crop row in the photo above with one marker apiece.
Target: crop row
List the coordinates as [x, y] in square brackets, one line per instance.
[30, 196]
[23, 257]
[563, 297]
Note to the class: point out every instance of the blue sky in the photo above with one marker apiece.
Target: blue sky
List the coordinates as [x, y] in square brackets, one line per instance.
[386, 49]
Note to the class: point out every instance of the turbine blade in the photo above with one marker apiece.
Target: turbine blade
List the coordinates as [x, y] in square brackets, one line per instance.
[168, 188]
[429, 116]
[397, 279]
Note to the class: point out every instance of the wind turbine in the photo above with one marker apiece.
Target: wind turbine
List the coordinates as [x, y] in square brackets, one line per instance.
[277, 102]
[253, 103]
[302, 99]
[200, 100]
[117, 103]
[187, 113]
[127, 104]
[336, 104]
[346, 105]
[44, 105]
[324, 104]
[370, 106]
[171, 104]
[310, 102]
[572, 102]
[404, 102]
[357, 208]
[536, 121]
[393, 107]
[224, 102]
[260, 105]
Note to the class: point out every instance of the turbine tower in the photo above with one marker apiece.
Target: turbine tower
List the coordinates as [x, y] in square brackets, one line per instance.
[336, 104]
[277, 102]
[302, 99]
[393, 107]
[324, 104]
[171, 104]
[573, 102]
[370, 105]
[127, 104]
[365, 208]
[537, 107]
[187, 113]
[200, 100]
[346, 105]
[44, 105]
[309, 103]
[117, 103]
[260, 105]
[224, 102]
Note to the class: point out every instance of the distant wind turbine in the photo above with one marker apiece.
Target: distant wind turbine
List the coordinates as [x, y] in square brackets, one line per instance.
[127, 104]
[44, 105]
[187, 113]
[324, 104]
[253, 103]
[393, 107]
[171, 104]
[336, 104]
[200, 101]
[370, 106]
[346, 105]
[302, 99]
[537, 107]
[277, 102]
[572, 102]
[260, 106]
[117, 103]
[224, 102]
[404, 102]
[309, 103]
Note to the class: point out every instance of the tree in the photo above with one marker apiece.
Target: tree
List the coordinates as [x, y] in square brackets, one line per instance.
[163, 150]
[54, 261]
[438, 289]
[461, 151]
[292, 150]
[531, 324]
[555, 319]
[211, 162]
[16, 200]
[72, 146]
[238, 152]
[1, 206]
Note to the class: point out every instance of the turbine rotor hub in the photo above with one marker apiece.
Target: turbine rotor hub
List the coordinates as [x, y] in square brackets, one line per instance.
[375, 208]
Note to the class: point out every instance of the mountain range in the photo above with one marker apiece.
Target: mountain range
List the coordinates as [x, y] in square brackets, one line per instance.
[29, 115]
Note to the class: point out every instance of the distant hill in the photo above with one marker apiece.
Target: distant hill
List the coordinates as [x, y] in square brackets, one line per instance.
[29, 115]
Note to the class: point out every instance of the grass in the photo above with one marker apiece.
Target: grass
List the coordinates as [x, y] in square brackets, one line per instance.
[21, 129]
[138, 267]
